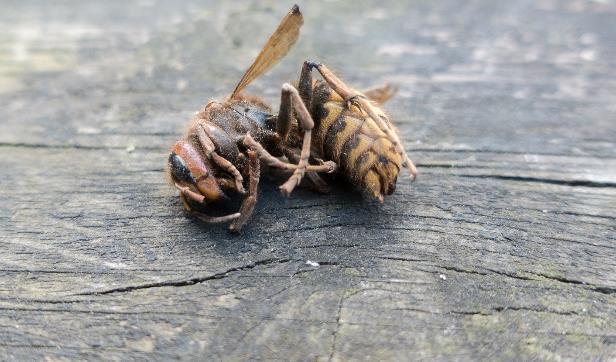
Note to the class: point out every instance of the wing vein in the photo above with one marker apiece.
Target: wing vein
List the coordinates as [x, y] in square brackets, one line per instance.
[277, 46]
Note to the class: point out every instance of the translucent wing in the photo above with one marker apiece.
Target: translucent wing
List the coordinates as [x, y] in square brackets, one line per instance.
[276, 48]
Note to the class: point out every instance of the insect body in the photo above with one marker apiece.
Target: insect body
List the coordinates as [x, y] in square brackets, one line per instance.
[353, 131]
[223, 149]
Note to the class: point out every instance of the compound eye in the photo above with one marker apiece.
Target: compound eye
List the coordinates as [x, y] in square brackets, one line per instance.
[179, 171]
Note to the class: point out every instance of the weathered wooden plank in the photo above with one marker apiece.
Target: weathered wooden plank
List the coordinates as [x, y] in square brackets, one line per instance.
[504, 248]
[498, 260]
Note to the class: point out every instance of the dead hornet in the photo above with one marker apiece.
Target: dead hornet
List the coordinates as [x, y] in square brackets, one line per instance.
[317, 120]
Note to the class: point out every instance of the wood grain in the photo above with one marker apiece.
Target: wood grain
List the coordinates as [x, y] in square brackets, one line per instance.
[503, 249]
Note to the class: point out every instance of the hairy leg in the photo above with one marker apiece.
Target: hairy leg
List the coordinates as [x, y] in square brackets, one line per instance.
[251, 143]
[186, 194]
[210, 152]
[317, 183]
[291, 100]
[285, 114]
[305, 85]
[306, 123]
[248, 205]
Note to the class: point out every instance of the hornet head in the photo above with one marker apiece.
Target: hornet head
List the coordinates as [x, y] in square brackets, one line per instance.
[192, 173]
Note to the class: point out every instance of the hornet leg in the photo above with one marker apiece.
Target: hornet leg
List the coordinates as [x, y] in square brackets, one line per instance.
[251, 143]
[305, 85]
[248, 205]
[285, 114]
[186, 194]
[318, 184]
[291, 99]
[210, 151]
[306, 123]
[305, 92]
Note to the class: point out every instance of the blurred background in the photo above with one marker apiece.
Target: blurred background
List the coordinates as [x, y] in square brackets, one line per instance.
[124, 73]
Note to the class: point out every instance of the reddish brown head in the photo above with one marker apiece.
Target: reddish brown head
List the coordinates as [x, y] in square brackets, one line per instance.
[188, 168]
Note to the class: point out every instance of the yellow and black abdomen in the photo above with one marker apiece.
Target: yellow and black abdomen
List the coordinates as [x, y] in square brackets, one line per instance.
[364, 153]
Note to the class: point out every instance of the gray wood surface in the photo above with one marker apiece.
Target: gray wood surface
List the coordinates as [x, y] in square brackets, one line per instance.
[503, 249]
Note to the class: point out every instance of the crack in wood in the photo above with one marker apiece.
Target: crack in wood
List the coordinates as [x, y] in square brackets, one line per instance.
[75, 146]
[185, 282]
[336, 328]
[503, 152]
[497, 310]
[573, 183]
[596, 288]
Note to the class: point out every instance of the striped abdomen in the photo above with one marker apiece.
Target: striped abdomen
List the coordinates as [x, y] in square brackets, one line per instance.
[364, 153]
